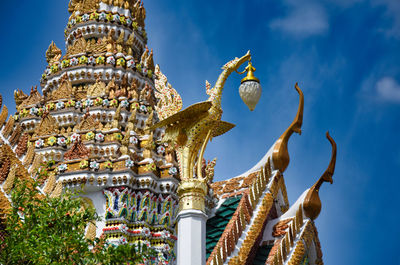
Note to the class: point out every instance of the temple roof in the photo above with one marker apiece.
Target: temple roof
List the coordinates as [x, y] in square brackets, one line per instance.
[252, 223]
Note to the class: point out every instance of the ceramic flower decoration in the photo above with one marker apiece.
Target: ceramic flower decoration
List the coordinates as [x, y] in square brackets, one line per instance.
[135, 105]
[173, 171]
[83, 60]
[94, 165]
[121, 62]
[151, 167]
[54, 68]
[50, 106]
[33, 111]
[51, 141]
[98, 101]
[40, 112]
[83, 164]
[75, 137]
[106, 102]
[161, 149]
[87, 103]
[99, 137]
[108, 165]
[85, 17]
[125, 103]
[70, 103]
[100, 60]
[65, 63]
[102, 16]
[39, 143]
[24, 113]
[62, 141]
[116, 18]
[122, 240]
[130, 63]
[129, 163]
[59, 105]
[91, 60]
[111, 60]
[90, 136]
[73, 61]
[78, 104]
[114, 103]
[118, 136]
[123, 20]
[94, 16]
[133, 140]
[109, 17]
[143, 108]
[62, 167]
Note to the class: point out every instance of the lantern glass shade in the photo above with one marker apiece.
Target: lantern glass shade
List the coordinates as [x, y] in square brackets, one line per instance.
[250, 92]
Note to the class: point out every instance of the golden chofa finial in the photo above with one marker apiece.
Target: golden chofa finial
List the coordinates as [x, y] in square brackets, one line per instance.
[312, 202]
[280, 156]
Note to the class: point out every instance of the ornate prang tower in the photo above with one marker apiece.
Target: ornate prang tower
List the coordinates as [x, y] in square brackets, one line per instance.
[92, 122]
[109, 123]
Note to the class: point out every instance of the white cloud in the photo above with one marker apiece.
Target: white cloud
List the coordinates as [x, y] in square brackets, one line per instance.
[304, 19]
[388, 89]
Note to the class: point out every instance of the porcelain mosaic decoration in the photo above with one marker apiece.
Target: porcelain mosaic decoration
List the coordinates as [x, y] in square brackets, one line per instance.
[107, 120]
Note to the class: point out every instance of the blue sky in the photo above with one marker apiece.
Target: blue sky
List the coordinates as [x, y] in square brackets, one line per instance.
[344, 54]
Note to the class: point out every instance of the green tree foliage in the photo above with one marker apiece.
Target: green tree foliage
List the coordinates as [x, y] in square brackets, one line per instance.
[44, 230]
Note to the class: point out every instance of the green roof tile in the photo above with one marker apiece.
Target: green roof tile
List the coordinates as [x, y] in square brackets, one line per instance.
[262, 255]
[216, 225]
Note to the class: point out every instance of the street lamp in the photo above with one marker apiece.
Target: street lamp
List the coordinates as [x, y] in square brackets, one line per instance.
[189, 131]
[250, 88]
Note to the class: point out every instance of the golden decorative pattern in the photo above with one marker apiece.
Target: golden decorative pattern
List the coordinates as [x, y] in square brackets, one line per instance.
[5, 168]
[9, 183]
[7, 130]
[79, 47]
[191, 129]
[91, 228]
[19, 97]
[37, 161]
[192, 195]
[3, 115]
[83, 6]
[16, 134]
[64, 91]
[169, 101]
[254, 231]
[32, 99]
[88, 123]
[57, 190]
[5, 205]
[50, 185]
[241, 219]
[47, 126]
[77, 151]
[298, 254]
[22, 145]
[53, 53]
[98, 89]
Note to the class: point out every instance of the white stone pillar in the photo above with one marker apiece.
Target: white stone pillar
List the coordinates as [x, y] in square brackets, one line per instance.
[191, 237]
